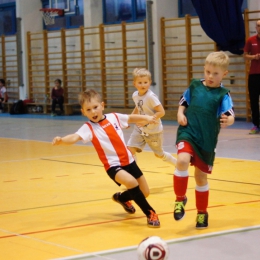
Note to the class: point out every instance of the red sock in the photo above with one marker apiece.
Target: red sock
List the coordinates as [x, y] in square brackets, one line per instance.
[180, 185]
[202, 199]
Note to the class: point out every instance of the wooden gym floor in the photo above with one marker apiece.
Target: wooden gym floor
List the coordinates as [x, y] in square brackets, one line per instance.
[56, 201]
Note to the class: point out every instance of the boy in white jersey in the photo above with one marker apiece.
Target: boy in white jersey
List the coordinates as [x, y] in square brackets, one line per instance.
[147, 103]
[105, 132]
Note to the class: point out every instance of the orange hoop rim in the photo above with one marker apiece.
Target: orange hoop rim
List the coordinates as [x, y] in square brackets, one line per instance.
[52, 10]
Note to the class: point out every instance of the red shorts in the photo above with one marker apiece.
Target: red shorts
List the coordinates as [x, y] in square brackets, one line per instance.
[185, 147]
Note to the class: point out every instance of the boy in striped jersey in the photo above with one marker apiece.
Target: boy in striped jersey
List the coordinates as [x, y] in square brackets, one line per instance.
[203, 108]
[105, 133]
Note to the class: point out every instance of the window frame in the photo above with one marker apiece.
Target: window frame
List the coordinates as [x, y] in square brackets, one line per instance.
[10, 7]
[133, 12]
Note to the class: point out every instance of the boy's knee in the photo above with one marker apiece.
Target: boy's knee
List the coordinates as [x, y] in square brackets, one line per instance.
[130, 184]
[146, 193]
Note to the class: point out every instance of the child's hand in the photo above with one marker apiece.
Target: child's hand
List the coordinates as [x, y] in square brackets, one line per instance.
[57, 140]
[182, 119]
[224, 121]
[147, 121]
[151, 119]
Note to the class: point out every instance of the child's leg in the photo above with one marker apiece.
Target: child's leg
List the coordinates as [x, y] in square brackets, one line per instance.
[202, 190]
[143, 186]
[53, 105]
[60, 102]
[202, 197]
[180, 184]
[134, 193]
[155, 142]
[167, 157]
[181, 176]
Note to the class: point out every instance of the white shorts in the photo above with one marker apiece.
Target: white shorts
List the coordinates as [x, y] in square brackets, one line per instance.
[139, 140]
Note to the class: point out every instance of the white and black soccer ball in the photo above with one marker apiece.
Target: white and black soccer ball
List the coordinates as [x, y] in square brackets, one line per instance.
[153, 248]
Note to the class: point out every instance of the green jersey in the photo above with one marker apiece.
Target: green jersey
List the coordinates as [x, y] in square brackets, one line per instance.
[203, 123]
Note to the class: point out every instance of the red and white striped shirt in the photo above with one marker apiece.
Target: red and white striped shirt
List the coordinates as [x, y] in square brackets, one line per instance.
[108, 139]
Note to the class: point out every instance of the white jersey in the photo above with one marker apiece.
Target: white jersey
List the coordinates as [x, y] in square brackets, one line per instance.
[108, 139]
[2, 92]
[145, 105]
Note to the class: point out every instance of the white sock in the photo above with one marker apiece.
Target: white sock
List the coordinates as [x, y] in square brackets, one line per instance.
[169, 158]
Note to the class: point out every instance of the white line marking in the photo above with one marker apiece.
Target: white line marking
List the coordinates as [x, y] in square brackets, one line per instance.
[53, 244]
[172, 241]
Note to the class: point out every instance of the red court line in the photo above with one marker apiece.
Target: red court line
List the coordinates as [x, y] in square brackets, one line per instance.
[9, 212]
[244, 202]
[106, 222]
[90, 224]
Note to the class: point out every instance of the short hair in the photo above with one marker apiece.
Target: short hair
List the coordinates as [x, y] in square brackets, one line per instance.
[141, 72]
[2, 81]
[218, 58]
[87, 95]
[58, 80]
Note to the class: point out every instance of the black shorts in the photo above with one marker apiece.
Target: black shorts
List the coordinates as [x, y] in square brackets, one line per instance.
[132, 169]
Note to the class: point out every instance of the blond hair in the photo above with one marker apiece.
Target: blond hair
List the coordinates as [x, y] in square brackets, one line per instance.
[141, 72]
[218, 58]
[88, 95]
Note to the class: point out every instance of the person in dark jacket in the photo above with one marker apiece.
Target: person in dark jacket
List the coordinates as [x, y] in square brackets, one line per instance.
[57, 97]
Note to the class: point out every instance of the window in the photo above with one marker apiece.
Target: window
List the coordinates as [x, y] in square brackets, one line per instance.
[186, 7]
[116, 11]
[73, 13]
[7, 18]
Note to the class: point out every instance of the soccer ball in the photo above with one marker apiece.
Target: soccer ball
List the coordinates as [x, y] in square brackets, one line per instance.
[153, 248]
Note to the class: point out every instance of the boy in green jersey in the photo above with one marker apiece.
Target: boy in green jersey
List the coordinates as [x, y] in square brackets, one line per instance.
[203, 108]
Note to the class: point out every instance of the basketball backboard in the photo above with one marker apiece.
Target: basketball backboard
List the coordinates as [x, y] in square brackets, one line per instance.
[67, 5]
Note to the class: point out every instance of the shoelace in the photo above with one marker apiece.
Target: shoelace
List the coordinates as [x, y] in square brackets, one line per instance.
[153, 216]
[128, 204]
[201, 218]
[178, 206]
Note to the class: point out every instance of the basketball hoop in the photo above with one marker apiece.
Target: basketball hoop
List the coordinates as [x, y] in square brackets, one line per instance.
[48, 15]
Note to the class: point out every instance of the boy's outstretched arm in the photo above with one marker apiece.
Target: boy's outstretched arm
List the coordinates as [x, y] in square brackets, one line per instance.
[141, 119]
[68, 139]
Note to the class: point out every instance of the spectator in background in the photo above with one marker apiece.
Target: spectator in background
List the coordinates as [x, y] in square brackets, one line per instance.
[3, 94]
[57, 97]
[252, 54]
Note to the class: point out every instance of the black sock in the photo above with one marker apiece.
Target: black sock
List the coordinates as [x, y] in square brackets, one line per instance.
[125, 196]
[138, 197]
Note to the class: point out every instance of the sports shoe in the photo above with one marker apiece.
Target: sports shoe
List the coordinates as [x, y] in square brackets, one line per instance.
[53, 114]
[179, 211]
[202, 220]
[128, 207]
[254, 130]
[153, 220]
